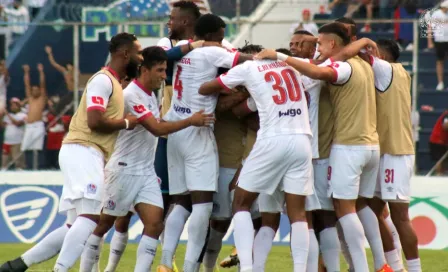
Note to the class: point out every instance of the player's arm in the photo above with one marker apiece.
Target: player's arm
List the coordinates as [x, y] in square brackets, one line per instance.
[53, 62]
[225, 82]
[354, 49]
[226, 102]
[383, 73]
[5, 71]
[26, 80]
[98, 93]
[245, 108]
[17, 123]
[253, 121]
[176, 53]
[42, 82]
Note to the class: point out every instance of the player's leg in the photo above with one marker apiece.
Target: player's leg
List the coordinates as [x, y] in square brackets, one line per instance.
[393, 230]
[161, 167]
[344, 173]
[118, 242]
[150, 210]
[312, 204]
[86, 179]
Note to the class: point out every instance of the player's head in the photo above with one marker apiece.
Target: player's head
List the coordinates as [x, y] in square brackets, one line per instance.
[389, 50]
[350, 25]
[444, 6]
[251, 49]
[14, 104]
[17, 3]
[210, 27]
[127, 49]
[284, 51]
[153, 69]
[69, 66]
[300, 48]
[332, 38]
[35, 91]
[183, 16]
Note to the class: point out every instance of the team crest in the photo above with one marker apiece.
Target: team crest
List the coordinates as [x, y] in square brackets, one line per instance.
[29, 211]
[91, 188]
[110, 205]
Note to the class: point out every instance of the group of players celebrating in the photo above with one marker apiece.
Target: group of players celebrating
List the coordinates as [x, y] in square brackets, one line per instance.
[324, 136]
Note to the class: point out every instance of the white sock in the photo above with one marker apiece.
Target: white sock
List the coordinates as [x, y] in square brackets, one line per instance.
[244, 238]
[262, 247]
[146, 252]
[197, 230]
[344, 246]
[90, 253]
[395, 235]
[330, 248]
[174, 226]
[47, 248]
[190, 266]
[393, 260]
[96, 266]
[354, 236]
[213, 248]
[312, 263]
[74, 243]
[300, 243]
[372, 230]
[414, 265]
[117, 247]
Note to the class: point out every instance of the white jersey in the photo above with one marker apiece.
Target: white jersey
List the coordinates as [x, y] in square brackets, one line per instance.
[194, 69]
[278, 93]
[135, 149]
[14, 134]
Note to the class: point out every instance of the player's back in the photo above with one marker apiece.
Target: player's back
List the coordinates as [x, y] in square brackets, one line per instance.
[193, 70]
[279, 96]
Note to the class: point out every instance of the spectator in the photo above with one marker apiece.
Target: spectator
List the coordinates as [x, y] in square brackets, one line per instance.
[355, 5]
[306, 24]
[66, 71]
[440, 33]
[13, 122]
[19, 16]
[4, 80]
[35, 6]
[56, 132]
[438, 142]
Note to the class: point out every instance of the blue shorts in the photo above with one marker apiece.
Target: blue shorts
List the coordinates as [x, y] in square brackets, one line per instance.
[161, 164]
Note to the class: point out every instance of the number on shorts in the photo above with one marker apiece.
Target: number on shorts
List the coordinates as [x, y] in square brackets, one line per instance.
[288, 77]
[329, 173]
[389, 175]
[178, 83]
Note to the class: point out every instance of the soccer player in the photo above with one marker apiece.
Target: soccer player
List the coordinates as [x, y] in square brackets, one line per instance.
[354, 158]
[393, 101]
[189, 171]
[281, 158]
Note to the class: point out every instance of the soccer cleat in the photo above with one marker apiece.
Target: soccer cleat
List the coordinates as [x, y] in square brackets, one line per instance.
[231, 260]
[164, 268]
[16, 265]
[175, 269]
[386, 268]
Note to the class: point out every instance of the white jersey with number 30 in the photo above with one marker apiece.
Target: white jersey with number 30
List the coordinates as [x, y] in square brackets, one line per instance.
[278, 94]
[194, 69]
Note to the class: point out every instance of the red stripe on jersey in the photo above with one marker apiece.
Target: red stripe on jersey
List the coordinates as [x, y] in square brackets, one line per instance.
[223, 85]
[143, 117]
[98, 108]
[235, 59]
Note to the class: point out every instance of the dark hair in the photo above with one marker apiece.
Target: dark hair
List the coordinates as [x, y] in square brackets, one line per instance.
[284, 51]
[189, 7]
[208, 23]
[351, 22]
[120, 40]
[336, 29]
[391, 47]
[302, 32]
[250, 48]
[153, 55]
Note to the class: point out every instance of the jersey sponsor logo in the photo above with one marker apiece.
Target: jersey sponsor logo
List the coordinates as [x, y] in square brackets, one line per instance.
[181, 109]
[98, 100]
[185, 61]
[139, 108]
[91, 188]
[29, 211]
[289, 112]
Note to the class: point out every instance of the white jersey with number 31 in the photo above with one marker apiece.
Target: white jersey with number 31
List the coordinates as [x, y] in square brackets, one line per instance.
[278, 94]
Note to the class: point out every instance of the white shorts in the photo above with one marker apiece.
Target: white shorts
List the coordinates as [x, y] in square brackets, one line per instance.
[394, 177]
[123, 191]
[192, 160]
[353, 171]
[222, 202]
[321, 184]
[33, 138]
[279, 163]
[83, 170]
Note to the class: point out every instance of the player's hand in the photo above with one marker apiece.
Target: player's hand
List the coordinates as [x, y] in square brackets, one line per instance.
[197, 44]
[40, 67]
[201, 119]
[26, 68]
[266, 54]
[217, 44]
[48, 50]
[133, 121]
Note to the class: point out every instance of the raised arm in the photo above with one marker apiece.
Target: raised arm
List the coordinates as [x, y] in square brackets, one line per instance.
[42, 83]
[26, 80]
[354, 49]
[53, 62]
[4, 71]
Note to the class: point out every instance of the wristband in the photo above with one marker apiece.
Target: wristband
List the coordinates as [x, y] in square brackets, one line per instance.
[127, 123]
[281, 56]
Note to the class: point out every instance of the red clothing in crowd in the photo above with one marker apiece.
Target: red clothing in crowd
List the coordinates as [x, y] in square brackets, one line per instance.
[56, 132]
[439, 135]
